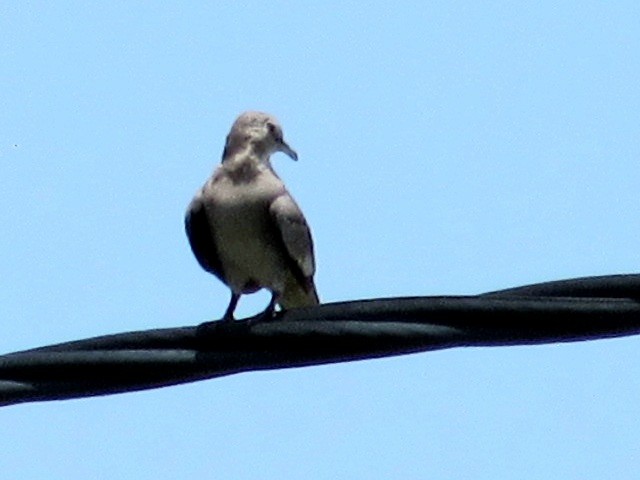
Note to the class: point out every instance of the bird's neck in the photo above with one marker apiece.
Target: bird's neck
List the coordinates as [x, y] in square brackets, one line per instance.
[246, 164]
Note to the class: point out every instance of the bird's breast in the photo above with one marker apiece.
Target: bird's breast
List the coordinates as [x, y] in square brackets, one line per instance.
[245, 234]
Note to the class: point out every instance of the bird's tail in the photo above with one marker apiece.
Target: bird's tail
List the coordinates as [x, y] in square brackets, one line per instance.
[296, 295]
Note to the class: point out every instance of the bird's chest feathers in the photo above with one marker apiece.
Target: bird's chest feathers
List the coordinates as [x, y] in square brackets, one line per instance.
[244, 229]
[243, 202]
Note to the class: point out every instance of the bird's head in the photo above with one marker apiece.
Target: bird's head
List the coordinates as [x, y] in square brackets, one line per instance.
[260, 131]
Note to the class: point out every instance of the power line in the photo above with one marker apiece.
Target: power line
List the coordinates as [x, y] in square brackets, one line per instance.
[563, 311]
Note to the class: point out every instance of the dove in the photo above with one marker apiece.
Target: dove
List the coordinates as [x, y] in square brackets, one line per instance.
[244, 226]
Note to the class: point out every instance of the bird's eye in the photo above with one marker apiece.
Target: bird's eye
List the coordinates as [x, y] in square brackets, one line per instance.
[274, 131]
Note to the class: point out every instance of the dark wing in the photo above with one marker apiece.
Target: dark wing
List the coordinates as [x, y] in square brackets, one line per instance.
[200, 233]
[295, 234]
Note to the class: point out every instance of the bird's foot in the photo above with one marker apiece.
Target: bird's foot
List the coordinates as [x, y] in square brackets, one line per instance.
[226, 320]
[223, 328]
[267, 315]
[228, 323]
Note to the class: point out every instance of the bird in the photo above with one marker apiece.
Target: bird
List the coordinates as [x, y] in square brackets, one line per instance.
[244, 226]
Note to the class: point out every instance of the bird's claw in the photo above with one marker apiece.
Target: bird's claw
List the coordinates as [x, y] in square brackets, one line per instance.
[265, 316]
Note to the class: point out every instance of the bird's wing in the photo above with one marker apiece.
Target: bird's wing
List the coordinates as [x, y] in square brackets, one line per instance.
[201, 237]
[295, 233]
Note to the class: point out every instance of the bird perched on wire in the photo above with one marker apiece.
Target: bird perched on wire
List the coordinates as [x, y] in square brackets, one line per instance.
[244, 226]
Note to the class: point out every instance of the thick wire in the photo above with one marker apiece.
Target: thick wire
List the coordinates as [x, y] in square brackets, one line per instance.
[562, 311]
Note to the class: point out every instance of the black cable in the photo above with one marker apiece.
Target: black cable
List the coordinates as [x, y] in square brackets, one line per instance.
[563, 311]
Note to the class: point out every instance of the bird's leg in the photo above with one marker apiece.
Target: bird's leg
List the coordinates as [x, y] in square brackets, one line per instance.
[228, 314]
[268, 312]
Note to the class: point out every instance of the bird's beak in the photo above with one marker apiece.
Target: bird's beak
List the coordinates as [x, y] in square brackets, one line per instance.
[285, 148]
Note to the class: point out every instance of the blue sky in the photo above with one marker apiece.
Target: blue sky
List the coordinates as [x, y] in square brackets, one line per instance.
[445, 148]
